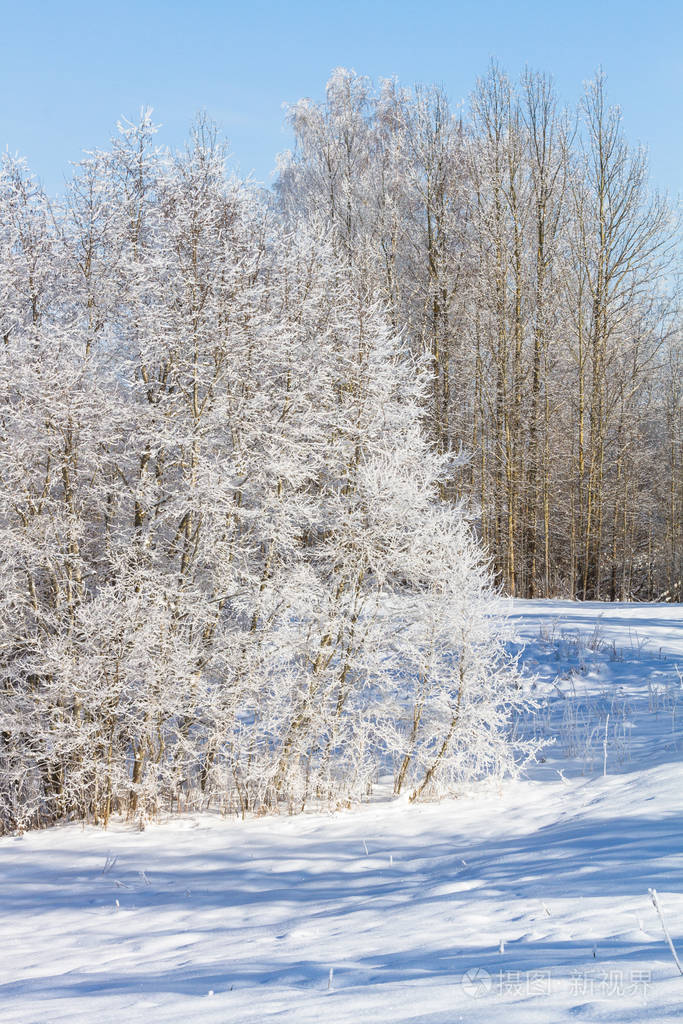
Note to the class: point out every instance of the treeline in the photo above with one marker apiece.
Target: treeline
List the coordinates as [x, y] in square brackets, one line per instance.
[521, 246]
[247, 441]
[227, 577]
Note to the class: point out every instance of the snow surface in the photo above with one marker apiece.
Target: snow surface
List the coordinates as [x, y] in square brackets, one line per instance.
[526, 902]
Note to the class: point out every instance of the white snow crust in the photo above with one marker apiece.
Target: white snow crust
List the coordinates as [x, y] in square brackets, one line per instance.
[520, 902]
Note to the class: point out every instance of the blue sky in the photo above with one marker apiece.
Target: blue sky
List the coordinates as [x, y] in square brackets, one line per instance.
[69, 70]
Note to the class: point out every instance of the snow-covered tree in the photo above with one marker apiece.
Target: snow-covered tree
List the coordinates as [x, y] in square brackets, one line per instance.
[228, 575]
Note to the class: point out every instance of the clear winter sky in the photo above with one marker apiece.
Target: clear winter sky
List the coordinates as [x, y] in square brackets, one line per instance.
[69, 69]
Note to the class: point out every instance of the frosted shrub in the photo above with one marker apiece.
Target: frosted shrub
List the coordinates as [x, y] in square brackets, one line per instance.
[228, 576]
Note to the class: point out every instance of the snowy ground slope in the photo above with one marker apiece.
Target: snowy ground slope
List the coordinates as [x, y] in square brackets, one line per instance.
[521, 904]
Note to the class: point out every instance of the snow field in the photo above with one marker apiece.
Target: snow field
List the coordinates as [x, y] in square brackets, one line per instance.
[523, 902]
